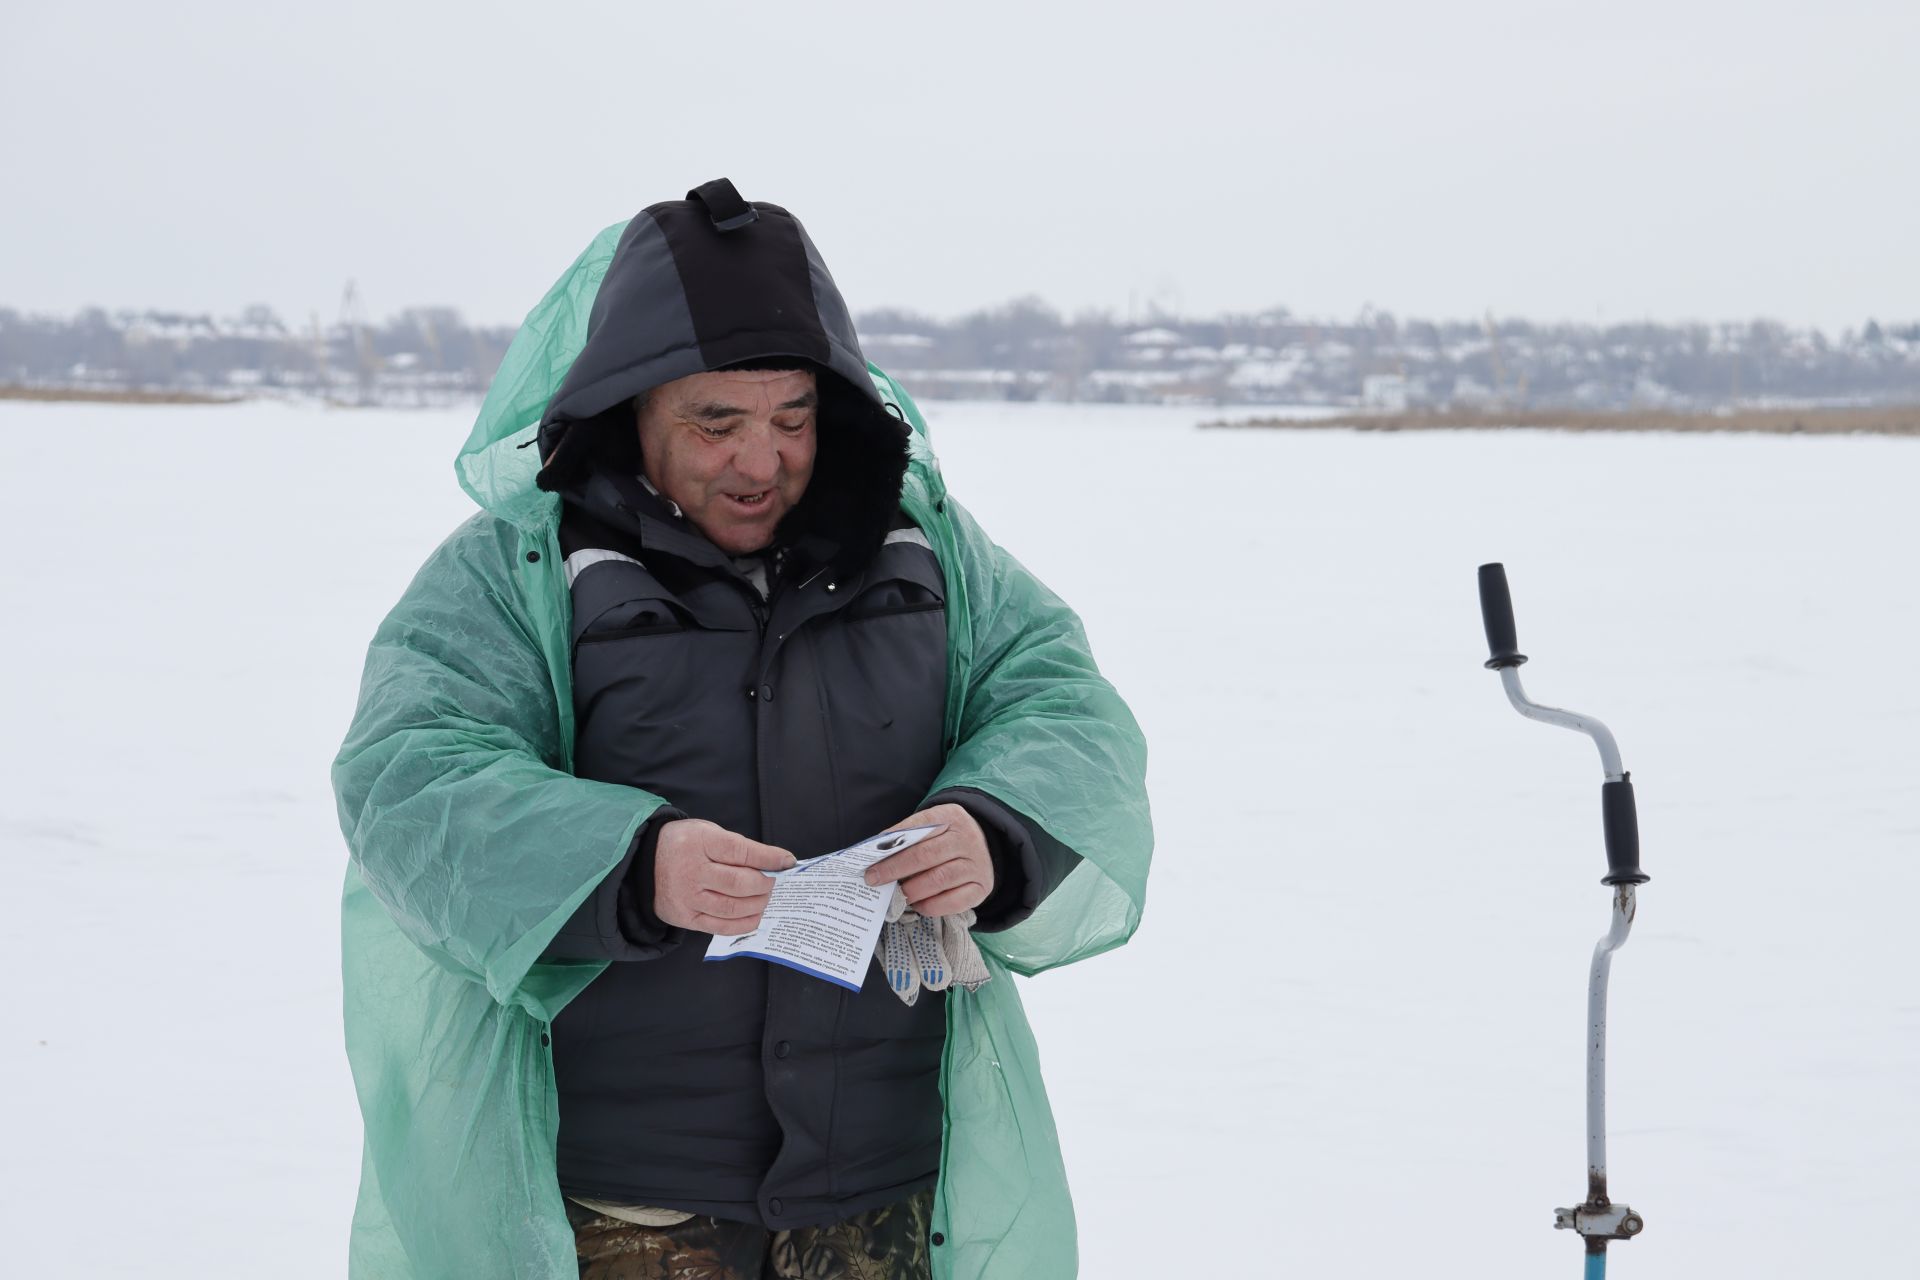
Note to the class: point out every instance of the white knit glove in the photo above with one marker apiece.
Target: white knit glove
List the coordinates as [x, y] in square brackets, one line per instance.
[933, 952]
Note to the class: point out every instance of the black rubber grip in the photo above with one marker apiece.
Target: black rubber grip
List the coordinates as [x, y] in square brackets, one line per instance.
[1622, 822]
[1496, 611]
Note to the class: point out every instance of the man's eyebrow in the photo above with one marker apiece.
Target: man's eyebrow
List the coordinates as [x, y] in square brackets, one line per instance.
[716, 411]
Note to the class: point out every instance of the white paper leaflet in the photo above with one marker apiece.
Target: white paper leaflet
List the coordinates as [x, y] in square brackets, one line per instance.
[823, 918]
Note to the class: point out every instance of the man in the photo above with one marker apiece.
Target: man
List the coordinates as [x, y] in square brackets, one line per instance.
[727, 615]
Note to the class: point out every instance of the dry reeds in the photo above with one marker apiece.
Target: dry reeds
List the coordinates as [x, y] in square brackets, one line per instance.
[112, 395]
[1884, 421]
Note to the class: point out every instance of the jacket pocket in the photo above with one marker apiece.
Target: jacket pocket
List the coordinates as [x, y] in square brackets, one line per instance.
[636, 607]
[905, 578]
[889, 610]
[649, 625]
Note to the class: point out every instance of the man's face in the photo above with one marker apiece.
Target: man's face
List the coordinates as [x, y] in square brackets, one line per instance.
[733, 449]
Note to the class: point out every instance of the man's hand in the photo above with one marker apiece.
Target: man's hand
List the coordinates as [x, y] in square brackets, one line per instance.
[708, 879]
[944, 873]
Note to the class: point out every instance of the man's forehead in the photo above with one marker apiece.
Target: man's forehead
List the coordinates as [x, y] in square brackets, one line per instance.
[739, 378]
[723, 393]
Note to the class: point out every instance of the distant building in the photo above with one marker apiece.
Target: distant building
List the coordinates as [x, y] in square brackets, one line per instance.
[1386, 392]
[428, 355]
[1151, 346]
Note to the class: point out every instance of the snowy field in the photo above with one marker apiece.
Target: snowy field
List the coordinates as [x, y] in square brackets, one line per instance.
[1347, 1041]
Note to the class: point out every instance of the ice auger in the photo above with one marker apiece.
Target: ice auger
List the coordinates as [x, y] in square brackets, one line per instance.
[1599, 1220]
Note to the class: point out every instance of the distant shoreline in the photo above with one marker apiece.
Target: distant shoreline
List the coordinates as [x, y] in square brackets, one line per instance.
[1895, 421]
[52, 395]
[1899, 420]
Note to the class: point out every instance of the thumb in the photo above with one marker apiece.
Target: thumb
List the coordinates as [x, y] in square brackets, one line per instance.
[742, 852]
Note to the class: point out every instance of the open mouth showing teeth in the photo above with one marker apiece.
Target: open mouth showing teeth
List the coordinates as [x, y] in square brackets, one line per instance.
[751, 499]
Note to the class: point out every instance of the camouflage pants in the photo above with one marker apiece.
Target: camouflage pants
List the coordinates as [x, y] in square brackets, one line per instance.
[888, 1243]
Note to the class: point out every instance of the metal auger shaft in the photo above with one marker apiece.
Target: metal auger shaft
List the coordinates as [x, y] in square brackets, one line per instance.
[1598, 1220]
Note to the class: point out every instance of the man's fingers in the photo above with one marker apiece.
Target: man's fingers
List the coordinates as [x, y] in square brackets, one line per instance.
[736, 882]
[937, 878]
[742, 852]
[724, 928]
[721, 907]
[930, 852]
[954, 900]
[940, 880]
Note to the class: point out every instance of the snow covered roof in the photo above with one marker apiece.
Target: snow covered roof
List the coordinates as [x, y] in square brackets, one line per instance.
[1263, 373]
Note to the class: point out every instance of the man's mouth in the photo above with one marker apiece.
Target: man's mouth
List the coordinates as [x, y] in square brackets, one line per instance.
[750, 501]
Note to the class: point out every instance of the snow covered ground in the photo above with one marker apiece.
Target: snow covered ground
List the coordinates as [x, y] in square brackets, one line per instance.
[1348, 1039]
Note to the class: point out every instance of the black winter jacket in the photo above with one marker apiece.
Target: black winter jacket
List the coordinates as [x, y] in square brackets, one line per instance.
[808, 720]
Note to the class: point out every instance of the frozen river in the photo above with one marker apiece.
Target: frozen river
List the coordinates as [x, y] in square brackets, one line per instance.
[1347, 1041]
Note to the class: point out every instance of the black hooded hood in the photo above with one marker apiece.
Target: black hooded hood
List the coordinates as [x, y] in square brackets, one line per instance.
[714, 282]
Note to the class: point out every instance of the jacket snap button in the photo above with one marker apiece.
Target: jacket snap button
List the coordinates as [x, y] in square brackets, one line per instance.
[753, 693]
[776, 1206]
[782, 1049]
[833, 586]
[937, 1238]
[533, 557]
[766, 691]
[543, 1038]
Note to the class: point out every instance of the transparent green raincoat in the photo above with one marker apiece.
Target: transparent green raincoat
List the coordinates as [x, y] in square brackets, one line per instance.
[472, 842]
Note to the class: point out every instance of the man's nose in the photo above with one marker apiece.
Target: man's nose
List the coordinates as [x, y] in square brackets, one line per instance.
[758, 458]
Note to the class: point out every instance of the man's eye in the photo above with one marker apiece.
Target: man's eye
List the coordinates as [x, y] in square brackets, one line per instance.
[795, 426]
[716, 433]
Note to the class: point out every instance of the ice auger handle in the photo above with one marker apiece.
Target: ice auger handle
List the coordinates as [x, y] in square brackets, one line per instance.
[1496, 610]
[1621, 822]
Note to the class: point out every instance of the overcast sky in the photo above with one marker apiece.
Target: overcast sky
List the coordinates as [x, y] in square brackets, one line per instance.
[1675, 160]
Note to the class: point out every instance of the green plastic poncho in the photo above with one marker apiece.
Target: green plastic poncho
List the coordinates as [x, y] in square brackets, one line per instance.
[472, 842]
